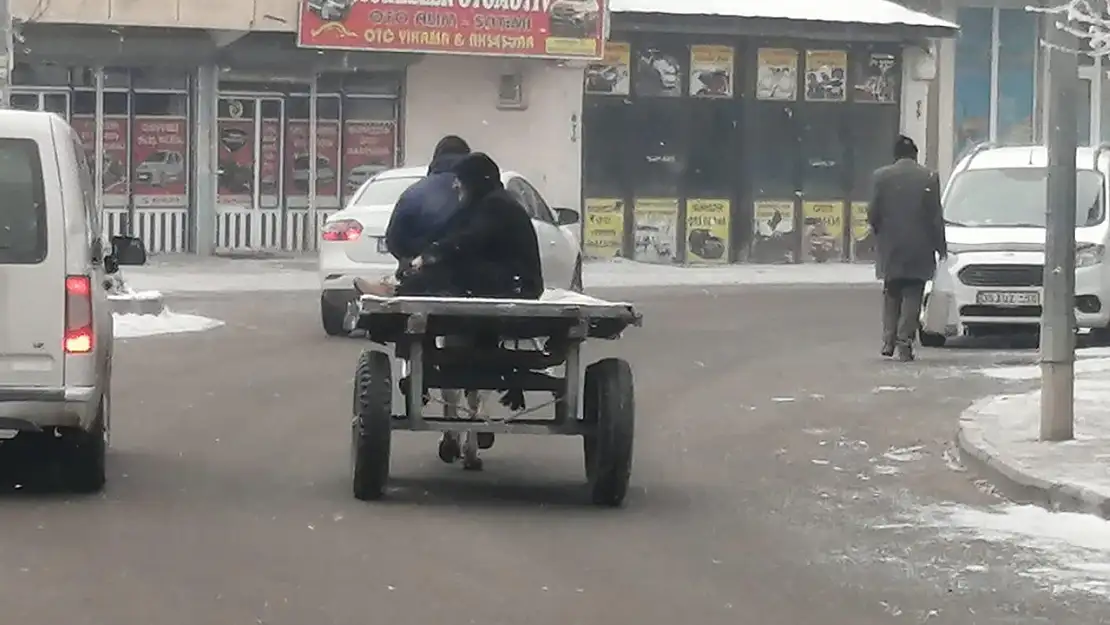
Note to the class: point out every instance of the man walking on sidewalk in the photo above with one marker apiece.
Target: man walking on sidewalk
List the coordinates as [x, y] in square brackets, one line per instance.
[906, 217]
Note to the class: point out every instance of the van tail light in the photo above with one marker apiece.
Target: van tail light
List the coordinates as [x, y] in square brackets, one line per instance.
[342, 230]
[79, 315]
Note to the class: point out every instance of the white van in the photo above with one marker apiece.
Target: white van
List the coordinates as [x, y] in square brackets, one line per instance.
[994, 211]
[55, 320]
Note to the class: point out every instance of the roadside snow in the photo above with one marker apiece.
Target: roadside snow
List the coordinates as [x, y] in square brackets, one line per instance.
[259, 276]
[1093, 360]
[1067, 551]
[137, 326]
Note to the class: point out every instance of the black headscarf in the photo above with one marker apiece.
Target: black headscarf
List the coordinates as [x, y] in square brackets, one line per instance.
[478, 175]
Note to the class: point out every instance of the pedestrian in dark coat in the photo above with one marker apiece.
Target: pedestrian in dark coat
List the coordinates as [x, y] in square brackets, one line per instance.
[908, 223]
[424, 208]
[487, 249]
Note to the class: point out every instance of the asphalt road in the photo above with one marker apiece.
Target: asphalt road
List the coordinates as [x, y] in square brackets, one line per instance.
[761, 491]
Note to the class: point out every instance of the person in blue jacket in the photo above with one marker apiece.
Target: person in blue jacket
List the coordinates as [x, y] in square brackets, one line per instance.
[424, 208]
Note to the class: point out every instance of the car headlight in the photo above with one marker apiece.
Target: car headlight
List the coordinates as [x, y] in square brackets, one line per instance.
[1089, 255]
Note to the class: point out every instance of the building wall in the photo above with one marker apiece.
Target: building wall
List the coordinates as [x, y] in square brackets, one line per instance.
[459, 95]
[256, 15]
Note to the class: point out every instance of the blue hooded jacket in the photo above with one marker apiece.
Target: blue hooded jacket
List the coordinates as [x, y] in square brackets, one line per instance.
[423, 209]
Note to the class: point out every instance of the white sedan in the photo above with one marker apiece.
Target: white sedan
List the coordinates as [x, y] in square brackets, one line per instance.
[352, 242]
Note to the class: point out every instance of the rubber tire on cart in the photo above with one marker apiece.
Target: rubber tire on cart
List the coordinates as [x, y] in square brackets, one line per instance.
[371, 433]
[608, 403]
[84, 456]
[928, 339]
[331, 317]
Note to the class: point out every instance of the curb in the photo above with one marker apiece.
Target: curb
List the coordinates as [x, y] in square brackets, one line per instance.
[137, 306]
[1022, 486]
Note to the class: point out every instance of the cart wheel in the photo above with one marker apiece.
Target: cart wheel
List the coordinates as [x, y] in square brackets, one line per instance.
[449, 450]
[609, 403]
[371, 427]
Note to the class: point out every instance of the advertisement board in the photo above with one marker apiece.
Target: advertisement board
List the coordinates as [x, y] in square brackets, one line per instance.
[555, 29]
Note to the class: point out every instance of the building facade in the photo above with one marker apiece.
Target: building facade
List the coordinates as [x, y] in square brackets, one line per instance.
[748, 137]
[202, 113]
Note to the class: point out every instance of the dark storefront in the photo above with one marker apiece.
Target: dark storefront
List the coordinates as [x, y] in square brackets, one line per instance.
[704, 148]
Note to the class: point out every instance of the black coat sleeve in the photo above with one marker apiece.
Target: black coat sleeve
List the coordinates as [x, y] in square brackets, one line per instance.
[936, 214]
[475, 230]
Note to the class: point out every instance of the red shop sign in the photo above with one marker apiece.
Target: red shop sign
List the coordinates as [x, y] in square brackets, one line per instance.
[554, 29]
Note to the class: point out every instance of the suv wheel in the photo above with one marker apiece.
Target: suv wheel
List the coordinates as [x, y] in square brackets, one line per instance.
[84, 457]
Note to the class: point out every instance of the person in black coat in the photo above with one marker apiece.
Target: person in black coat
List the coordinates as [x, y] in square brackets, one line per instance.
[487, 249]
[425, 207]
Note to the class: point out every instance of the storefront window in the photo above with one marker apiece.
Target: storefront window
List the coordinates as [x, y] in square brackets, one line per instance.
[116, 141]
[659, 151]
[297, 157]
[40, 75]
[973, 79]
[160, 150]
[825, 175]
[369, 140]
[163, 79]
[1017, 66]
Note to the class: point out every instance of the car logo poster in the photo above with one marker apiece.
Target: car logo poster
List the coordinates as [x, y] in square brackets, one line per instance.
[603, 230]
[711, 71]
[555, 29]
[707, 229]
[824, 230]
[826, 75]
[777, 74]
[158, 150]
[297, 163]
[656, 222]
[863, 241]
[773, 239]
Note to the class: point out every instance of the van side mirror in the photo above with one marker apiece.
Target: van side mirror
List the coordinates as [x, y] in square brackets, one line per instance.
[566, 216]
[128, 251]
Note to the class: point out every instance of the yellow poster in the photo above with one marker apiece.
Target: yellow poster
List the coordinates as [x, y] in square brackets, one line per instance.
[711, 71]
[773, 239]
[826, 75]
[610, 75]
[603, 230]
[863, 242]
[777, 74]
[707, 229]
[656, 237]
[823, 236]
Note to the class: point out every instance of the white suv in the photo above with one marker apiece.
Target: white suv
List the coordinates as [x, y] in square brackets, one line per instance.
[56, 326]
[994, 210]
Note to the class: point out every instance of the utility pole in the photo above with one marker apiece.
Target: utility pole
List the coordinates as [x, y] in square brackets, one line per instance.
[1058, 313]
[7, 37]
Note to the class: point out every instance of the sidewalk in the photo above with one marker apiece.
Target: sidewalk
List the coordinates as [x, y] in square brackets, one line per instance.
[998, 439]
[191, 274]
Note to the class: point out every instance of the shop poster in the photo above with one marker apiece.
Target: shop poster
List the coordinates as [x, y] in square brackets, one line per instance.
[826, 75]
[235, 183]
[297, 164]
[269, 166]
[711, 71]
[656, 237]
[116, 138]
[612, 74]
[777, 74]
[863, 240]
[773, 239]
[823, 236]
[658, 74]
[369, 148]
[158, 151]
[707, 230]
[603, 230]
[877, 79]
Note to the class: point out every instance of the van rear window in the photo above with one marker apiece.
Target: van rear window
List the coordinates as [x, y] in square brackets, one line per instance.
[22, 203]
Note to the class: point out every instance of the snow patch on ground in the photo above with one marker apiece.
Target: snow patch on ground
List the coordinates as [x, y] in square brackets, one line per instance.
[264, 275]
[1089, 360]
[1065, 551]
[137, 326]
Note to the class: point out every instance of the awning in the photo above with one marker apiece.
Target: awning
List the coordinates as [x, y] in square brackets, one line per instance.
[856, 12]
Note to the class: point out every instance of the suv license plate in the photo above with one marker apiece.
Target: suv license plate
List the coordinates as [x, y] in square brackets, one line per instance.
[382, 247]
[1008, 298]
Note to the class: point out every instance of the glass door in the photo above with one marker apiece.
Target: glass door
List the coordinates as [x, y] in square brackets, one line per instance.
[270, 123]
[237, 131]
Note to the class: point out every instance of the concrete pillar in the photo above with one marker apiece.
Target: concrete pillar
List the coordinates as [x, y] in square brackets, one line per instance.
[205, 160]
